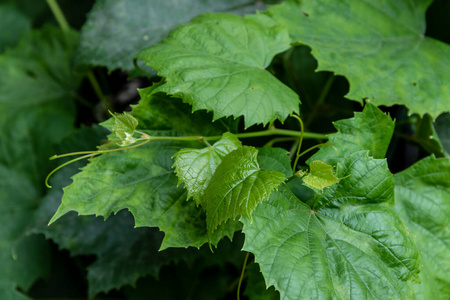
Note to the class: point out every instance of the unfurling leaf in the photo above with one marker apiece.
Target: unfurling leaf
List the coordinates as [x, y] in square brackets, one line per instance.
[237, 187]
[124, 126]
[320, 175]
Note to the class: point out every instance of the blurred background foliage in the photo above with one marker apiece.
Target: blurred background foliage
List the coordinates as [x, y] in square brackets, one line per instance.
[48, 105]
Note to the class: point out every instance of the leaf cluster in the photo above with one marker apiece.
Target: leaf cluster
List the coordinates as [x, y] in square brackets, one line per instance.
[297, 150]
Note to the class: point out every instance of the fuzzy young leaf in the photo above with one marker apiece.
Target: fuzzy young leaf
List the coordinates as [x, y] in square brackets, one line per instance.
[124, 123]
[369, 130]
[237, 187]
[378, 45]
[346, 246]
[320, 175]
[124, 126]
[217, 63]
[195, 167]
[422, 199]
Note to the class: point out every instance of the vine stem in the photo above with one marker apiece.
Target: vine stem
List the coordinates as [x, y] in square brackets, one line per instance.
[59, 16]
[268, 132]
[242, 276]
[65, 27]
[299, 143]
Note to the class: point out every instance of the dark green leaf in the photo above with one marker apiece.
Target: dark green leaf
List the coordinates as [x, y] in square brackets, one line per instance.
[116, 30]
[275, 159]
[422, 199]
[442, 127]
[14, 25]
[345, 246]
[237, 187]
[36, 110]
[427, 137]
[217, 63]
[379, 46]
[161, 112]
[195, 167]
[256, 288]
[141, 180]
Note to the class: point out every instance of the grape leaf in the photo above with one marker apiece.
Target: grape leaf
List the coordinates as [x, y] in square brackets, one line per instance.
[345, 246]
[142, 181]
[16, 22]
[370, 130]
[379, 46]
[217, 63]
[275, 159]
[124, 126]
[442, 127]
[124, 253]
[320, 175]
[425, 134]
[36, 102]
[422, 199]
[161, 112]
[237, 186]
[138, 24]
[195, 167]
[36, 110]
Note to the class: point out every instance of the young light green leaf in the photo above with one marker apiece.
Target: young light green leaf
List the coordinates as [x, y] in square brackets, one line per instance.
[320, 175]
[369, 130]
[344, 246]
[422, 199]
[379, 46]
[237, 187]
[141, 180]
[195, 167]
[217, 63]
[124, 126]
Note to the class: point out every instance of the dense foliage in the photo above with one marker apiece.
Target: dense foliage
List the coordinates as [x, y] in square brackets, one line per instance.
[304, 142]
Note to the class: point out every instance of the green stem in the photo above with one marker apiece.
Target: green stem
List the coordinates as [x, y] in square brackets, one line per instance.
[317, 146]
[62, 21]
[242, 276]
[98, 91]
[321, 98]
[278, 140]
[325, 89]
[59, 16]
[299, 143]
[65, 164]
